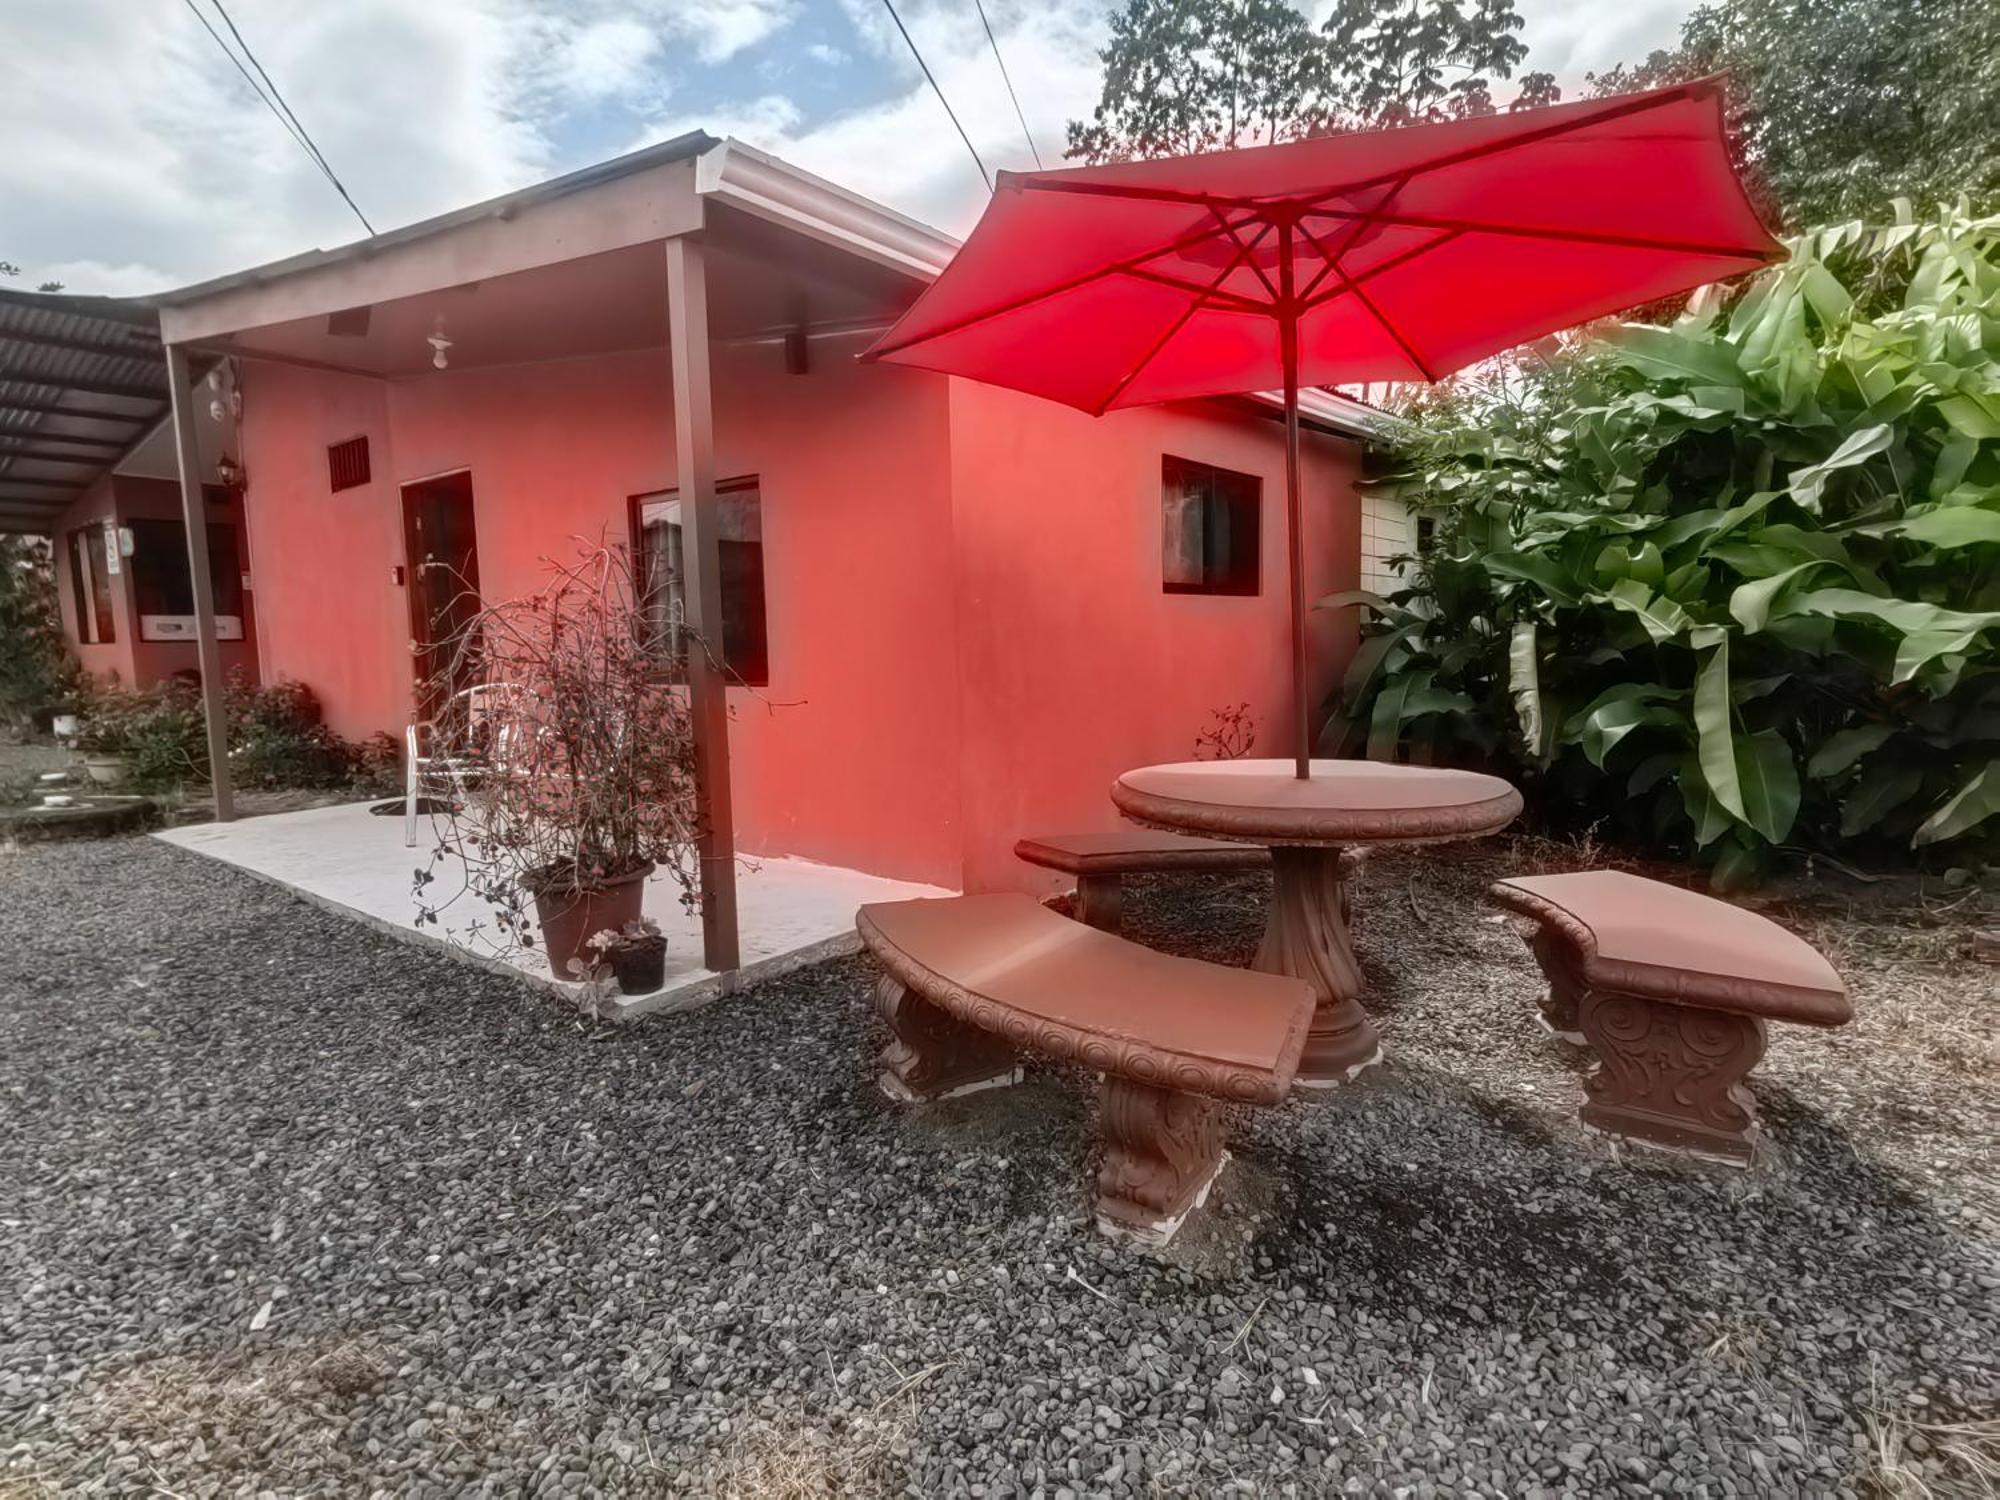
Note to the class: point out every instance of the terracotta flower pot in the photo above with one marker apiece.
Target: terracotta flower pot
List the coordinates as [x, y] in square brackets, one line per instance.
[568, 919]
[641, 967]
[105, 770]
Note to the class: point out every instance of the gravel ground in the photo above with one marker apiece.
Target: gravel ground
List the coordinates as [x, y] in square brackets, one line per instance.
[289, 1206]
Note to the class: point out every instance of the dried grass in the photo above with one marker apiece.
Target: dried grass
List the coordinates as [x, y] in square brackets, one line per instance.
[867, 1457]
[179, 1409]
[1966, 1453]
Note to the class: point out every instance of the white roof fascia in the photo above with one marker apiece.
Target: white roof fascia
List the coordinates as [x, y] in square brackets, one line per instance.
[1342, 413]
[758, 183]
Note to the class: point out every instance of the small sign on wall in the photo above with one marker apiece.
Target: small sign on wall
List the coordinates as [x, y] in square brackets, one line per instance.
[182, 628]
[113, 566]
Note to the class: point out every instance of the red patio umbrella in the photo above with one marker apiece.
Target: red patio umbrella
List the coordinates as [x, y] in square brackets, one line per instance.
[1387, 255]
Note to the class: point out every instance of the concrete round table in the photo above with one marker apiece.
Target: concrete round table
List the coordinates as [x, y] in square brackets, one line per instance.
[1306, 824]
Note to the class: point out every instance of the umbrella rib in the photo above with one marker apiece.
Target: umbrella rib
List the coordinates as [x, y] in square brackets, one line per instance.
[1233, 300]
[1409, 349]
[1352, 233]
[1528, 231]
[1230, 230]
[1243, 252]
[957, 325]
[1348, 283]
[1352, 280]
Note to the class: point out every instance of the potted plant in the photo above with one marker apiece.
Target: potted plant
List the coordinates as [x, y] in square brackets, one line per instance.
[635, 953]
[104, 735]
[581, 756]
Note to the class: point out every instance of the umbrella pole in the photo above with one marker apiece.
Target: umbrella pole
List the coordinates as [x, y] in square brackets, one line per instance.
[1288, 339]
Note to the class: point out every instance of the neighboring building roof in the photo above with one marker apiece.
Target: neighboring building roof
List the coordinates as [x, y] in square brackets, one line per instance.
[81, 380]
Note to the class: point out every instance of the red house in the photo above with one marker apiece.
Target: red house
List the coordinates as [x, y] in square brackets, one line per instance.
[962, 611]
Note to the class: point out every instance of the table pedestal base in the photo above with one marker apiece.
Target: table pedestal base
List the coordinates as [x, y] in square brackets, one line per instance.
[1306, 938]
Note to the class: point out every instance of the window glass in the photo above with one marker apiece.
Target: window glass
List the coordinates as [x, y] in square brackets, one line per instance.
[661, 578]
[1209, 528]
[161, 591]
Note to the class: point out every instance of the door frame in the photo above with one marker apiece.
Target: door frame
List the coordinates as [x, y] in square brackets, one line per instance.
[413, 589]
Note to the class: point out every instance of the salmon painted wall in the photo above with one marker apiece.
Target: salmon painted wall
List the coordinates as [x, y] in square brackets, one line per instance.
[1075, 664]
[128, 660]
[329, 612]
[968, 637]
[850, 754]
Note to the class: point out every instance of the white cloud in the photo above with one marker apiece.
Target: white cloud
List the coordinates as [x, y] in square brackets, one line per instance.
[136, 157]
[133, 279]
[1570, 38]
[722, 28]
[606, 58]
[904, 151]
[134, 148]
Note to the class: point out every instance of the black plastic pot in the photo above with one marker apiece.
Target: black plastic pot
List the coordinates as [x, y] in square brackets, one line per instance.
[641, 967]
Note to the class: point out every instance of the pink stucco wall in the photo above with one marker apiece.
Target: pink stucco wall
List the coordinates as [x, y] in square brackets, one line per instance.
[128, 661]
[968, 637]
[1075, 665]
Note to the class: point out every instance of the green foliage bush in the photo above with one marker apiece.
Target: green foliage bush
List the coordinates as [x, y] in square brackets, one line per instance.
[276, 739]
[1729, 585]
[36, 670]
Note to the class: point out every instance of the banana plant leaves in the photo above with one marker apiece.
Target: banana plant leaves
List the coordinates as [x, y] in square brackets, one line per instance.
[1734, 582]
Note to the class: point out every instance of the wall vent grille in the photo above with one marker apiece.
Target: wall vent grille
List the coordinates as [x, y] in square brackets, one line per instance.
[347, 463]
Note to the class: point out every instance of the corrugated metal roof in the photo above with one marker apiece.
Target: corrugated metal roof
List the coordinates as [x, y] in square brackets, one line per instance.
[81, 380]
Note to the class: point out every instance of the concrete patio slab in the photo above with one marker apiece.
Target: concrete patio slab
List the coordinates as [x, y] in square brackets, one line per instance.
[352, 861]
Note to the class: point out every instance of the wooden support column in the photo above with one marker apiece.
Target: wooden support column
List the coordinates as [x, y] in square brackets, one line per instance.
[194, 518]
[701, 559]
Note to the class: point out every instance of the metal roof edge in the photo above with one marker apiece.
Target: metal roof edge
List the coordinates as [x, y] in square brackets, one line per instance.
[761, 184]
[1338, 413]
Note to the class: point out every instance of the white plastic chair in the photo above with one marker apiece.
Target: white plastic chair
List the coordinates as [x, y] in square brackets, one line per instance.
[449, 771]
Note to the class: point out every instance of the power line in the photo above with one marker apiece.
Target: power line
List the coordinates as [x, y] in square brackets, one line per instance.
[312, 145]
[980, 6]
[940, 94]
[274, 101]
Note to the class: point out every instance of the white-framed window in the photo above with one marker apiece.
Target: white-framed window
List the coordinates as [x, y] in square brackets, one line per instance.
[1388, 530]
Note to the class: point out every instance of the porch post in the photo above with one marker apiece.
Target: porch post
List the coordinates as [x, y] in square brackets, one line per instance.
[701, 559]
[194, 517]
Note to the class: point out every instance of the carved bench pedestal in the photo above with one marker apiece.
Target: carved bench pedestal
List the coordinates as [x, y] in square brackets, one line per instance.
[1672, 1075]
[933, 1055]
[1162, 1153]
[1671, 990]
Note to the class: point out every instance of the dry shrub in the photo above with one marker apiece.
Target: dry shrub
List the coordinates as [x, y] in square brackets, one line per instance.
[585, 746]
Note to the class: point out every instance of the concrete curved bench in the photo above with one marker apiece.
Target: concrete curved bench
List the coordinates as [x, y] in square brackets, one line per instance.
[974, 981]
[1101, 861]
[1671, 990]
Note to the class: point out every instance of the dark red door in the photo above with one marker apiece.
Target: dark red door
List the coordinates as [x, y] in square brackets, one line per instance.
[442, 549]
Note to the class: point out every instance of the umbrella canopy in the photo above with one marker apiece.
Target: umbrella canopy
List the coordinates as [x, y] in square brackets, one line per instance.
[1395, 255]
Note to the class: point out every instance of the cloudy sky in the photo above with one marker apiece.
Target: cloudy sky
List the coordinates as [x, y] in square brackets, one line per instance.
[134, 157]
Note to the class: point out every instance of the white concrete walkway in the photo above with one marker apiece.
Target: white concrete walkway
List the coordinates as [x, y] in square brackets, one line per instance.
[791, 912]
